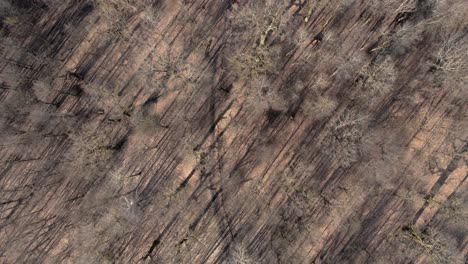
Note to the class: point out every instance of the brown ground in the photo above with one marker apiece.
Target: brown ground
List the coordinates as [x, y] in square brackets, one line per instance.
[108, 157]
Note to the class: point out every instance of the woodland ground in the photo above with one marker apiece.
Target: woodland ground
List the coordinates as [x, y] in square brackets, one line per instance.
[224, 131]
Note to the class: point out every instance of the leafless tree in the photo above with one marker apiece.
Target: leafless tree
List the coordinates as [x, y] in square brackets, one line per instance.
[319, 106]
[431, 241]
[6, 8]
[239, 255]
[89, 149]
[343, 141]
[264, 95]
[111, 8]
[381, 7]
[132, 207]
[401, 40]
[316, 103]
[145, 122]
[175, 67]
[376, 80]
[257, 20]
[254, 62]
[452, 57]
[312, 6]
[256, 23]
[117, 13]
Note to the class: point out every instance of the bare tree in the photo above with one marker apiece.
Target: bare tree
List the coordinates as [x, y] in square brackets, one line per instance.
[89, 149]
[175, 67]
[132, 206]
[257, 20]
[145, 122]
[452, 58]
[432, 242]
[312, 6]
[379, 7]
[319, 106]
[343, 141]
[117, 14]
[263, 95]
[171, 70]
[6, 8]
[316, 103]
[254, 62]
[401, 40]
[239, 255]
[110, 8]
[376, 80]
[256, 23]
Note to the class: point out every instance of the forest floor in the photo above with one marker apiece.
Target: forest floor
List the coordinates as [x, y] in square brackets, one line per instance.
[224, 131]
